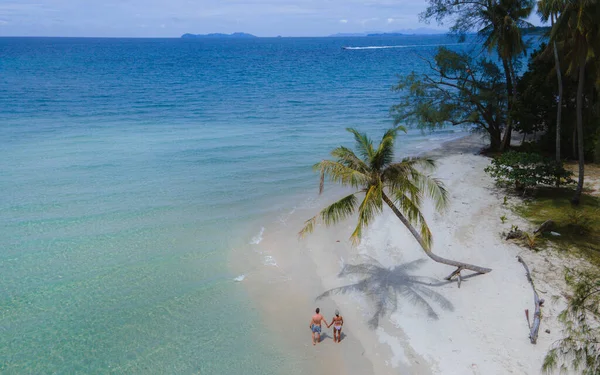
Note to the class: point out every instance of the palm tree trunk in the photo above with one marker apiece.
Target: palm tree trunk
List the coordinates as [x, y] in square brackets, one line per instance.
[559, 107]
[509, 90]
[460, 266]
[580, 83]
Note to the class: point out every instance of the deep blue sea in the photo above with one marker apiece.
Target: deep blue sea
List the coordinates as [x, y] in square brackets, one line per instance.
[129, 168]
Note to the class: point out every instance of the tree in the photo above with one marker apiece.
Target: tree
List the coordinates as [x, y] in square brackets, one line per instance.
[535, 109]
[375, 174]
[580, 348]
[578, 29]
[499, 22]
[460, 91]
[550, 10]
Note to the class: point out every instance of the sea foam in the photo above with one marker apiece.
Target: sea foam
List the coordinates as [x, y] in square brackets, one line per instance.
[258, 238]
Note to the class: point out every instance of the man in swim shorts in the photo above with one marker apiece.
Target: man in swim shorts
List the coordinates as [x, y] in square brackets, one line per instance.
[337, 321]
[315, 326]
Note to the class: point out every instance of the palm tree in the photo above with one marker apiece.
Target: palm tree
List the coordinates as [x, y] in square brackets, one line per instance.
[550, 10]
[375, 174]
[579, 30]
[502, 21]
[383, 285]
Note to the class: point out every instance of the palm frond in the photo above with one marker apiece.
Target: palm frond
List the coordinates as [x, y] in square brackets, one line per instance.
[364, 145]
[339, 210]
[371, 205]
[412, 210]
[331, 214]
[385, 152]
[348, 158]
[434, 188]
[340, 173]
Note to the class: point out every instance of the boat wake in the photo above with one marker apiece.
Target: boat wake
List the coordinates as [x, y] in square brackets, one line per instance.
[404, 46]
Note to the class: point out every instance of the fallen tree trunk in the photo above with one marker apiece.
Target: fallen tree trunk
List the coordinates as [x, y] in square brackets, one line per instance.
[537, 316]
[546, 226]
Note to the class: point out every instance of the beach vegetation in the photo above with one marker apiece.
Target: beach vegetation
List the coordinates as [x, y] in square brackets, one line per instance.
[379, 180]
[499, 24]
[579, 349]
[524, 171]
[576, 228]
[578, 29]
[503, 219]
[460, 90]
[531, 239]
[549, 10]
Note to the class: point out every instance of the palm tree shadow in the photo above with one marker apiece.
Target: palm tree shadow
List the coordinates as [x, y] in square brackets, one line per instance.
[385, 286]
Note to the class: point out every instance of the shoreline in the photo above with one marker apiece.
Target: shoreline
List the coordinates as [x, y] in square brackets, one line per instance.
[481, 331]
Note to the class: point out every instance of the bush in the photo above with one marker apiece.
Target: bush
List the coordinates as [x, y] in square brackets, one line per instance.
[579, 349]
[527, 170]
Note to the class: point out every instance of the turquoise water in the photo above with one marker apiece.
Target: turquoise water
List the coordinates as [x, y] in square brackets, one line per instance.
[130, 168]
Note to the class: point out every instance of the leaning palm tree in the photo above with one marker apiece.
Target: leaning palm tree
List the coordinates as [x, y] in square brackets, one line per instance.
[400, 185]
[502, 21]
[578, 29]
[550, 10]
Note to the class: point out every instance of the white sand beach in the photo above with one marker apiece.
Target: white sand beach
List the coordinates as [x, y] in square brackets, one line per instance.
[480, 328]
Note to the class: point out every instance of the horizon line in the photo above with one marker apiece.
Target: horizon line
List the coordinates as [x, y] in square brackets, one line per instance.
[180, 37]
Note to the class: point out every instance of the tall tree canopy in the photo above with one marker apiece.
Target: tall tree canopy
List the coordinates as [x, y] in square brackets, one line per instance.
[460, 90]
[498, 22]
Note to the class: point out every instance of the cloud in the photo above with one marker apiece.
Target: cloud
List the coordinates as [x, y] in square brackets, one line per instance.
[343, 21]
[390, 20]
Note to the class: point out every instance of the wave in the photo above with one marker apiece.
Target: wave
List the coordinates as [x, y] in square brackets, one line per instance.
[240, 278]
[258, 238]
[405, 46]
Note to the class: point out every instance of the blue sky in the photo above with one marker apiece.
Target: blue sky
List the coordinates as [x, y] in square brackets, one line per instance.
[171, 18]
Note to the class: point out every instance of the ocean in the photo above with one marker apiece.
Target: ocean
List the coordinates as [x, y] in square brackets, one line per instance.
[130, 169]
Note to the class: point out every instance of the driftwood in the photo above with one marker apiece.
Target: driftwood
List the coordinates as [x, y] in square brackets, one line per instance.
[546, 226]
[537, 316]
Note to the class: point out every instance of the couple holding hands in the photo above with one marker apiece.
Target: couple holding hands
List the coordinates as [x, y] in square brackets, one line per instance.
[315, 325]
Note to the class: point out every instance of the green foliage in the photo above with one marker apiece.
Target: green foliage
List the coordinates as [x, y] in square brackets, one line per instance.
[553, 203]
[535, 106]
[503, 219]
[459, 91]
[526, 170]
[579, 349]
[505, 202]
[372, 171]
[531, 239]
[582, 221]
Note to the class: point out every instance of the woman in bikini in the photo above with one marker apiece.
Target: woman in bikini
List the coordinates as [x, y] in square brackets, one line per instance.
[337, 323]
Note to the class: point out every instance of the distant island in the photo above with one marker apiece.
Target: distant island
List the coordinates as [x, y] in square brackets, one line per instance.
[402, 32]
[366, 34]
[218, 35]
[386, 34]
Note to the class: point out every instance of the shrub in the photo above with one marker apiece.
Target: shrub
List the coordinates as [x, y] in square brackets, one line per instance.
[527, 170]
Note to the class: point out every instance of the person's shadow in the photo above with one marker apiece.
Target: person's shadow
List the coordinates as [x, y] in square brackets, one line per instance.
[383, 286]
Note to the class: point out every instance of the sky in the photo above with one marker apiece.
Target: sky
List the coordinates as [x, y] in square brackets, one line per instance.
[172, 18]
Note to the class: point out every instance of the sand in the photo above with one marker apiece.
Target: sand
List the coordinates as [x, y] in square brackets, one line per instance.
[479, 328]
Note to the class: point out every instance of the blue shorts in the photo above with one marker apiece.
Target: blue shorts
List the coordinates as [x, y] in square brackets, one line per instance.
[316, 329]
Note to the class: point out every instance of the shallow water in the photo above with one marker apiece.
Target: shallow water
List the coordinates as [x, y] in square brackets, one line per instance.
[130, 168]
